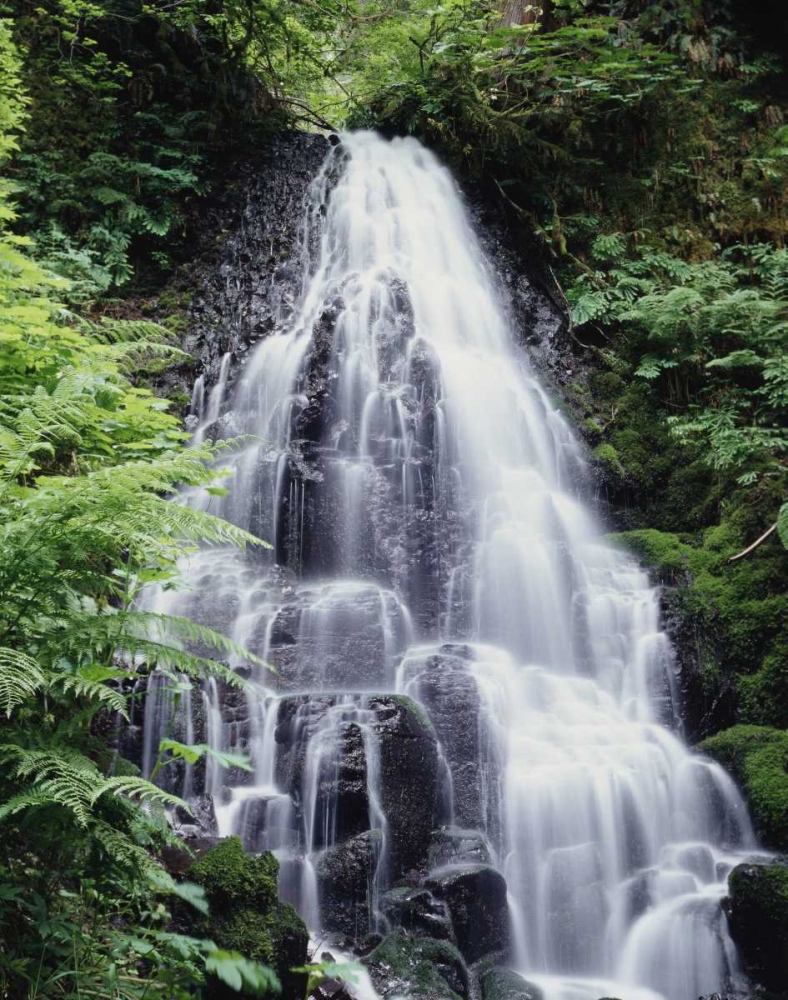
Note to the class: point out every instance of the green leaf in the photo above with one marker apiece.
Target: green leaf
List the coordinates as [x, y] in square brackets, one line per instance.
[240, 973]
[782, 524]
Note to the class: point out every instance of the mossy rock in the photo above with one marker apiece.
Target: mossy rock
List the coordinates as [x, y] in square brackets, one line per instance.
[610, 463]
[758, 918]
[664, 553]
[246, 916]
[757, 757]
[499, 983]
[422, 967]
[232, 878]
[763, 696]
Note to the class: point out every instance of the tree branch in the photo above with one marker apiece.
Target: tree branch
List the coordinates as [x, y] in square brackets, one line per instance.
[755, 544]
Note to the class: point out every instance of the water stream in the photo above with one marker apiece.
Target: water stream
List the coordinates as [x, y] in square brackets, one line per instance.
[423, 495]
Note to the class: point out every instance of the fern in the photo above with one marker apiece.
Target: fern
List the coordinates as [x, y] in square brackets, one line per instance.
[20, 679]
[137, 788]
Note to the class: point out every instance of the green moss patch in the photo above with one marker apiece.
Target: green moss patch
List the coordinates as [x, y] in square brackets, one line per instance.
[757, 756]
[427, 966]
[246, 915]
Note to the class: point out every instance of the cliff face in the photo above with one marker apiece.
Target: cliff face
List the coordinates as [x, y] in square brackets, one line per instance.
[247, 269]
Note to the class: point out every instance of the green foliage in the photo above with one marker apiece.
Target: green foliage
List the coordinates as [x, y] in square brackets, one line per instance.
[88, 464]
[758, 914]
[134, 106]
[758, 758]
[608, 457]
[512, 98]
[710, 336]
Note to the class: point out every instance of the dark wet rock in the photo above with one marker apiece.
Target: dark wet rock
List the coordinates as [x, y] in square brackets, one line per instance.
[408, 781]
[421, 967]
[342, 804]
[705, 708]
[418, 911]
[337, 638]
[331, 989]
[453, 846]
[267, 822]
[499, 983]
[476, 898]
[345, 877]
[405, 766]
[758, 918]
[247, 235]
[449, 692]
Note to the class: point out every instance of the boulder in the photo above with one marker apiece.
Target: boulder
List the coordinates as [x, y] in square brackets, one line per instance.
[417, 910]
[408, 764]
[339, 636]
[345, 879]
[444, 684]
[246, 915]
[410, 966]
[402, 771]
[453, 846]
[499, 983]
[758, 917]
[476, 898]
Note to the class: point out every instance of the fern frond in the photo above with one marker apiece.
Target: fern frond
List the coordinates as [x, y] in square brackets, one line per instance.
[62, 776]
[89, 682]
[20, 678]
[120, 848]
[138, 788]
[26, 800]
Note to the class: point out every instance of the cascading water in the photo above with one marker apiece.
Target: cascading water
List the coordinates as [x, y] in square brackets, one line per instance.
[421, 493]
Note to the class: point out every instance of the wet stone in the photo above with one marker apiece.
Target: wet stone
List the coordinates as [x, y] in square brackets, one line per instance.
[411, 966]
[499, 983]
[476, 898]
[418, 911]
[345, 877]
[452, 846]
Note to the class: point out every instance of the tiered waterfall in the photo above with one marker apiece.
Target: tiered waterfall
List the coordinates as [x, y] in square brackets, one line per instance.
[466, 672]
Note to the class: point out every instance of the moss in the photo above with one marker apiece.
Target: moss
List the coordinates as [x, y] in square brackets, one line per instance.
[738, 611]
[427, 965]
[232, 878]
[245, 914]
[763, 696]
[416, 711]
[179, 400]
[591, 429]
[178, 323]
[240, 931]
[757, 756]
[607, 456]
[606, 385]
[659, 550]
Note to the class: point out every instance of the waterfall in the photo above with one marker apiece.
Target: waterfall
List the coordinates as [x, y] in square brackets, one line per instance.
[435, 567]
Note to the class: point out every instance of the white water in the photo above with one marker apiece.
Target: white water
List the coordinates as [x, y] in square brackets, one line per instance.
[614, 839]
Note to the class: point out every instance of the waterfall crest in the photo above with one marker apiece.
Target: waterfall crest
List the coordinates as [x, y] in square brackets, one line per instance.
[445, 618]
